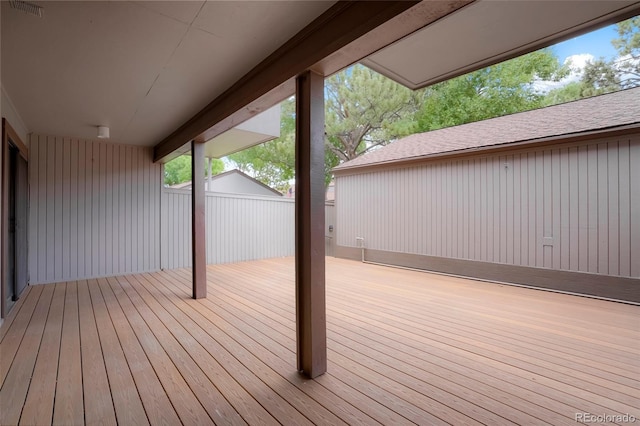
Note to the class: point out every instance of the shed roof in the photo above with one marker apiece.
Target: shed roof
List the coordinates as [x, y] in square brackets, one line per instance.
[602, 112]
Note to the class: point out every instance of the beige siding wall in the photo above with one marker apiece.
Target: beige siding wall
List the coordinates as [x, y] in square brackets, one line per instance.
[574, 208]
[238, 227]
[94, 209]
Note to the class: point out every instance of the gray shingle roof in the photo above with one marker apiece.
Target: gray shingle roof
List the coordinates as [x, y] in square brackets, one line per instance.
[597, 113]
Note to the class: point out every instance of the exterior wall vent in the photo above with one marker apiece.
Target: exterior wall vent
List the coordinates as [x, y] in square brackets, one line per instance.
[26, 7]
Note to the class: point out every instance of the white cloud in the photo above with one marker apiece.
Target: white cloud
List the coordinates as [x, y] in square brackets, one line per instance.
[576, 64]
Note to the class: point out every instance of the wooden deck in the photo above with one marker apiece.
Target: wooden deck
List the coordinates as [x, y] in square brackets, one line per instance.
[404, 347]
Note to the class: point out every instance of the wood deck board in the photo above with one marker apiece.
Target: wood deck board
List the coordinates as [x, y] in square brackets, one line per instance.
[98, 402]
[281, 359]
[254, 308]
[501, 325]
[154, 399]
[126, 400]
[8, 320]
[167, 331]
[16, 384]
[600, 391]
[444, 382]
[513, 348]
[595, 402]
[38, 407]
[395, 343]
[182, 398]
[284, 350]
[196, 340]
[69, 405]
[283, 395]
[404, 347]
[498, 384]
[494, 319]
[12, 336]
[601, 395]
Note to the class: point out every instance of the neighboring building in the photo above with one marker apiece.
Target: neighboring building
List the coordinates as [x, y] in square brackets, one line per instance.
[549, 198]
[234, 182]
[330, 192]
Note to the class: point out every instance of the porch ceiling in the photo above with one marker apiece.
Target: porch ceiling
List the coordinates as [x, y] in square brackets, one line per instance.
[141, 68]
[149, 70]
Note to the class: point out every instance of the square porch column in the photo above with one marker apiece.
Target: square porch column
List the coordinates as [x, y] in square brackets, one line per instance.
[311, 324]
[198, 246]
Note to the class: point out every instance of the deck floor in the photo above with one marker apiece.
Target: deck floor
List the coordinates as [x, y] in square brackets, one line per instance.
[404, 347]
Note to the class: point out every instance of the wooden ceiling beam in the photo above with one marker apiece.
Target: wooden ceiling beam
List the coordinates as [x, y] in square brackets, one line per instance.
[340, 25]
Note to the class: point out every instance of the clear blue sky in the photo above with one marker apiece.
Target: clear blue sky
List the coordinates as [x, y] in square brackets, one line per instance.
[597, 43]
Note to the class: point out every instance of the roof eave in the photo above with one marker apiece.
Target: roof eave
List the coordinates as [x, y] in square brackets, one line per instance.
[524, 144]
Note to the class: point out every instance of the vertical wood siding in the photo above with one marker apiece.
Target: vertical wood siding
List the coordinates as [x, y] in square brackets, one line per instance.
[573, 208]
[239, 228]
[94, 209]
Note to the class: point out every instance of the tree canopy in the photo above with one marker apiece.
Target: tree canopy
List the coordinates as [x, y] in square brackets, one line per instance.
[628, 46]
[494, 91]
[178, 170]
[604, 76]
[363, 111]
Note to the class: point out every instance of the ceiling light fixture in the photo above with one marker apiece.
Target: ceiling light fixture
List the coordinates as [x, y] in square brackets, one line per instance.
[103, 132]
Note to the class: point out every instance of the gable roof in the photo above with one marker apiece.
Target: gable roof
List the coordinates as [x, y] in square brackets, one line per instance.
[602, 112]
[187, 185]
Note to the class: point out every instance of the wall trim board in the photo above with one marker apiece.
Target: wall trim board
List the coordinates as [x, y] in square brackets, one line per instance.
[580, 283]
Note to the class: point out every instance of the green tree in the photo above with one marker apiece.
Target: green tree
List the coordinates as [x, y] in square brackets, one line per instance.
[273, 162]
[599, 77]
[628, 47]
[178, 170]
[494, 91]
[567, 93]
[364, 110]
[605, 76]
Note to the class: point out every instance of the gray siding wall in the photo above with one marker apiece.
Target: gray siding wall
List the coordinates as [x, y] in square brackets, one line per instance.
[94, 209]
[239, 228]
[574, 207]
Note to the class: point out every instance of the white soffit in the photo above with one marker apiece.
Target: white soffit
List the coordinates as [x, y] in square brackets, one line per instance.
[486, 32]
[261, 128]
[140, 68]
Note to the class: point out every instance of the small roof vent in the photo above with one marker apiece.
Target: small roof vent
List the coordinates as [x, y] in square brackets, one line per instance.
[26, 7]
